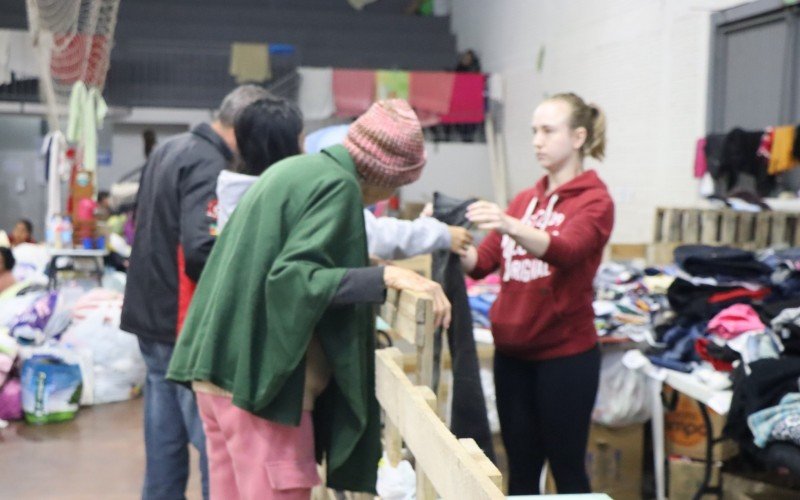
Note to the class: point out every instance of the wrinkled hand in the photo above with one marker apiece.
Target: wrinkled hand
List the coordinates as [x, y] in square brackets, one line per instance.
[490, 217]
[404, 279]
[460, 239]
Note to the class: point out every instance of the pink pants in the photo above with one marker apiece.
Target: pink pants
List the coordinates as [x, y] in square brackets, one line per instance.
[252, 458]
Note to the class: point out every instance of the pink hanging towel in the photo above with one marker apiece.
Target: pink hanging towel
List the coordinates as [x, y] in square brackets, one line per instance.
[700, 162]
[466, 103]
[431, 91]
[734, 321]
[353, 91]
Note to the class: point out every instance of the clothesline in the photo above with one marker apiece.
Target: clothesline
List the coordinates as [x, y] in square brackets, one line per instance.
[437, 96]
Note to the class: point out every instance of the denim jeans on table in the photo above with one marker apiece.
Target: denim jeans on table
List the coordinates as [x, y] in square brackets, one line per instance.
[171, 423]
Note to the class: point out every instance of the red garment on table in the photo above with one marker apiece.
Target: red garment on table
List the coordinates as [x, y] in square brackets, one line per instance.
[701, 346]
[738, 293]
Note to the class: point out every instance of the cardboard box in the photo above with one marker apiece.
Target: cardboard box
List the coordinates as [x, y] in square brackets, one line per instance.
[686, 477]
[614, 461]
[743, 488]
[685, 431]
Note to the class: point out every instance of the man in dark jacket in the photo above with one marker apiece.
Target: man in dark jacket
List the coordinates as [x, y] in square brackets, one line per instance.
[175, 231]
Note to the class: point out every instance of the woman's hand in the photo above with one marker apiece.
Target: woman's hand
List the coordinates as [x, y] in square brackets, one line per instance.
[460, 239]
[490, 217]
[404, 279]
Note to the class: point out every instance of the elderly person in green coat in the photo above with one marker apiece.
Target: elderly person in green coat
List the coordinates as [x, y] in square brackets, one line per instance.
[278, 343]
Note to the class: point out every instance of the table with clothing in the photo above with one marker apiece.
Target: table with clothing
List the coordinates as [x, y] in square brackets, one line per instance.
[728, 339]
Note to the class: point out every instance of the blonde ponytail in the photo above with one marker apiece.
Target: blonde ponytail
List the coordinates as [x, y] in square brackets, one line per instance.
[591, 118]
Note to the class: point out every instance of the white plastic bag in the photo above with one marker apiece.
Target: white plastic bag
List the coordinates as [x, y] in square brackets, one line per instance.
[396, 483]
[623, 397]
[118, 369]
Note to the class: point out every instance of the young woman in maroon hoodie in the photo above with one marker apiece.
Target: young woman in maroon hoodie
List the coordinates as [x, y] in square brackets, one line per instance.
[547, 246]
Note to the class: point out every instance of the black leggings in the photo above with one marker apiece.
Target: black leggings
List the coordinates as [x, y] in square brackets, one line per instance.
[545, 410]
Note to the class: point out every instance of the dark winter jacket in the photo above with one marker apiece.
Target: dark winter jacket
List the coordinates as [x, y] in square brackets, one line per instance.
[175, 231]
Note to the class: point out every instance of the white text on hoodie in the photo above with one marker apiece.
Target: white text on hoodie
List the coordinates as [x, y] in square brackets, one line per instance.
[530, 269]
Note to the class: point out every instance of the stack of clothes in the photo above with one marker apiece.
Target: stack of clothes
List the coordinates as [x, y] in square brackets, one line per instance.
[738, 312]
[714, 301]
[629, 301]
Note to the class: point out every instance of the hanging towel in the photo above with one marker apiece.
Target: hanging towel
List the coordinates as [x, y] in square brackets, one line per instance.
[466, 103]
[250, 62]
[359, 4]
[781, 159]
[316, 93]
[22, 59]
[700, 163]
[796, 149]
[87, 109]
[739, 157]
[353, 91]
[714, 144]
[5, 52]
[391, 84]
[431, 91]
[765, 147]
[54, 149]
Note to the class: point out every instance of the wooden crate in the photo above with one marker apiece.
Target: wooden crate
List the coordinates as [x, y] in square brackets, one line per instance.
[681, 226]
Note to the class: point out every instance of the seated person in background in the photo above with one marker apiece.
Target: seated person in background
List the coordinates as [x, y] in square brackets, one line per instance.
[103, 209]
[22, 233]
[6, 266]
[390, 238]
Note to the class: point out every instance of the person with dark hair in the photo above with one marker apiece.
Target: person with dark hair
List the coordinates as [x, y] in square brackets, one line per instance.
[22, 233]
[468, 62]
[175, 231]
[149, 139]
[103, 209]
[267, 131]
[7, 263]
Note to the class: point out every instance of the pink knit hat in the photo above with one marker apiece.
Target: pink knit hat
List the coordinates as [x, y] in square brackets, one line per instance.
[386, 144]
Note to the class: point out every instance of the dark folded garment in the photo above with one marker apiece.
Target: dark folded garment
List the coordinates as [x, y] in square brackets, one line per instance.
[712, 261]
[693, 303]
[768, 382]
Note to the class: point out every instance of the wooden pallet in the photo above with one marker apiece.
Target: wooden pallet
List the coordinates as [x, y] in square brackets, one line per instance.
[446, 467]
[751, 231]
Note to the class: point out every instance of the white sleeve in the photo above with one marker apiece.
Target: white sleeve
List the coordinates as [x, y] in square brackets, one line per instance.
[390, 238]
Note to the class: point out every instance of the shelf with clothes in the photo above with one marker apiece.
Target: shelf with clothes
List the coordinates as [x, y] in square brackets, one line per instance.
[761, 154]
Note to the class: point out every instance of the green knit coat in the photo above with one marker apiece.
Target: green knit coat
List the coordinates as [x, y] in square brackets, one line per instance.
[265, 291]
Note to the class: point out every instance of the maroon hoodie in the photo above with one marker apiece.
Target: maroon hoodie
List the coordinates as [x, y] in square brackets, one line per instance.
[544, 309]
